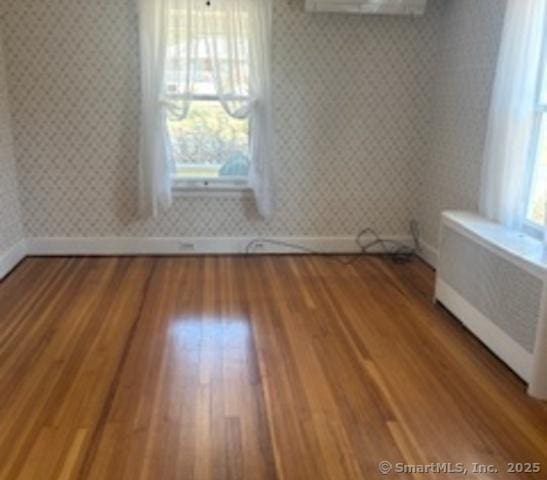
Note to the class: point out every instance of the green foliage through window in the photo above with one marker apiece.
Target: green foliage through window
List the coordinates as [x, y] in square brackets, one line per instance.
[209, 143]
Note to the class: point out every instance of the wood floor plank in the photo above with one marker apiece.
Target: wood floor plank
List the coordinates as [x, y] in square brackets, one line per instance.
[274, 367]
[78, 337]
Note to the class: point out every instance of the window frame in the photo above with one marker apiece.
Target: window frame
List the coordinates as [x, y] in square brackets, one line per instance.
[225, 187]
[540, 114]
[228, 186]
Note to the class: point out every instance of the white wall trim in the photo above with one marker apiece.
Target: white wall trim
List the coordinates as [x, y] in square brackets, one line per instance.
[11, 258]
[107, 246]
[538, 376]
[429, 254]
[189, 245]
[513, 354]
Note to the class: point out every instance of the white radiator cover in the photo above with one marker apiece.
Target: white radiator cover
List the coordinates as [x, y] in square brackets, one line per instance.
[494, 281]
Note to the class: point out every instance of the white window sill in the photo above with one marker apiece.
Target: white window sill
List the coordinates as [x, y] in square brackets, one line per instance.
[533, 230]
[210, 189]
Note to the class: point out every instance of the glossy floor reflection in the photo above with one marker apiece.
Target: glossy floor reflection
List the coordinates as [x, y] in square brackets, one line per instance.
[255, 368]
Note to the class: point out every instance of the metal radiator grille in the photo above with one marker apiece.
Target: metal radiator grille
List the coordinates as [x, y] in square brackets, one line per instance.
[509, 296]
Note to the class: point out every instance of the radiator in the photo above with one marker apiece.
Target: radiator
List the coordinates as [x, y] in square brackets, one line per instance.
[493, 280]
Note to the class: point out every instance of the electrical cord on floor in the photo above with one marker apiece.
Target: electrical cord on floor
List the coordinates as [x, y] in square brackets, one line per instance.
[398, 252]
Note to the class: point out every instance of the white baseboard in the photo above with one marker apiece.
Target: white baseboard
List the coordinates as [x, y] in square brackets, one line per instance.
[513, 354]
[106, 246]
[11, 258]
[429, 254]
[190, 245]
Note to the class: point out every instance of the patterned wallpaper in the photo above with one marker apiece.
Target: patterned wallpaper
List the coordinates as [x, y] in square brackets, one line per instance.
[470, 33]
[352, 98]
[11, 230]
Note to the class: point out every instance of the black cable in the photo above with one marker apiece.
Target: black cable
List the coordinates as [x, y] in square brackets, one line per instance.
[397, 251]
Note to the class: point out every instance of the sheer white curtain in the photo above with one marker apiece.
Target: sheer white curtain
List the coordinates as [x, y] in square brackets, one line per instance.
[154, 162]
[506, 162]
[186, 39]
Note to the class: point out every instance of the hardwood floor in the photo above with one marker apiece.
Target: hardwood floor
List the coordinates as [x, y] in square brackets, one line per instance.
[256, 368]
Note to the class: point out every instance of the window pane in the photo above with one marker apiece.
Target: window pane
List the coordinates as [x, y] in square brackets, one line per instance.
[209, 144]
[538, 197]
[543, 86]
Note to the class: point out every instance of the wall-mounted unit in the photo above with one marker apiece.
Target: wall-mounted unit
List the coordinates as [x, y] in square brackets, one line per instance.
[368, 7]
[495, 281]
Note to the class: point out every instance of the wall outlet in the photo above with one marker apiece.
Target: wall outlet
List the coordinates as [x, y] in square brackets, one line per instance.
[258, 247]
[186, 247]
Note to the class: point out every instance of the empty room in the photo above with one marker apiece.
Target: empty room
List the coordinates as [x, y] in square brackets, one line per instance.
[273, 239]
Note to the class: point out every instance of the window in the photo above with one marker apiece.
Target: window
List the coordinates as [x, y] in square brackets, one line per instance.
[206, 106]
[537, 200]
[538, 192]
[209, 143]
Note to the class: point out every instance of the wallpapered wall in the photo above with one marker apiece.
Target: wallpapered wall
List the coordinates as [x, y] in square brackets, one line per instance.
[378, 120]
[11, 230]
[470, 34]
[352, 101]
